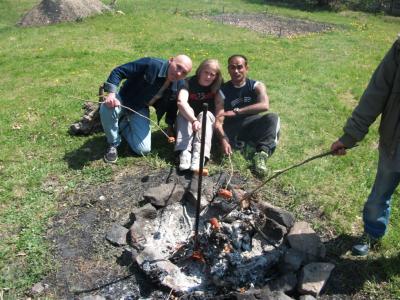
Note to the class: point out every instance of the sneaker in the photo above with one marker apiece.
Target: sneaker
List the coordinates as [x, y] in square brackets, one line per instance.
[260, 162]
[184, 160]
[111, 155]
[362, 247]
[195, 166]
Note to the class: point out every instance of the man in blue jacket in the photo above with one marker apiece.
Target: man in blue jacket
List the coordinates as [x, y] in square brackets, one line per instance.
[381, 97]
[147, 81]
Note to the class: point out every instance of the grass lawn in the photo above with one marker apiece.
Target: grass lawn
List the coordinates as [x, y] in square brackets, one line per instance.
[314, 81]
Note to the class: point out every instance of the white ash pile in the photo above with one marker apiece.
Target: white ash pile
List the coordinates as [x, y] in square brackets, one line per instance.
[231, 251]
[242, 247]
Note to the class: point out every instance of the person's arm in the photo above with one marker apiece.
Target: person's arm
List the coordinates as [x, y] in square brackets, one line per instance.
[186, 110]
[118, 74]
[111, 100]
[219, 122]
[372, 102]
[125, 71]
[261, 105]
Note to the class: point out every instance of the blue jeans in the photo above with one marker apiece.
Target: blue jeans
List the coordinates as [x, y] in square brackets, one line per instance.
[377, 208]
[134, 128]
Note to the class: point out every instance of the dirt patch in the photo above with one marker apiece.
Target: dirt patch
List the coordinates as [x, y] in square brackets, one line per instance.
[271, 25]
[86, 263]
[56, 11]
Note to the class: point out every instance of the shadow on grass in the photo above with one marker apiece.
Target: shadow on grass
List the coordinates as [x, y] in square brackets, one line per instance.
[162, 149]
[293, 4]
[94, 148]
[352, 272]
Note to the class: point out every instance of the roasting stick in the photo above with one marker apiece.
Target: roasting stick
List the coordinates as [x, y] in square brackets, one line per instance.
[170, 293]
[130, 109]
[231, 174]
[225, 192]
[202, 141]
[277, 173]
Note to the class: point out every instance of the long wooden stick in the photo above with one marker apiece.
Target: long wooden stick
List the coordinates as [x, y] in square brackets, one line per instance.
[128, 108]
[279, 172]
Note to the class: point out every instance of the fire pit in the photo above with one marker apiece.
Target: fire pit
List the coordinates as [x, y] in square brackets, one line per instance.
[244, 248]
[241, 245]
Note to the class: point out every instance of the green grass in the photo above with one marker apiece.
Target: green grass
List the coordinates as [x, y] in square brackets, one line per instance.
[314, 82]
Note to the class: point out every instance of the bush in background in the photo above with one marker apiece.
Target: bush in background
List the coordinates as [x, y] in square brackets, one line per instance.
[372, 6]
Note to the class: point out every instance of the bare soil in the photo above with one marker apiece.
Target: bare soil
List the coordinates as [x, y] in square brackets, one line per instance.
[268, 24]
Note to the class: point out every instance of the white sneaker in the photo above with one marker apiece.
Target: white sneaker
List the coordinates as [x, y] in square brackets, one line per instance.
[184, 160]
[195, 166]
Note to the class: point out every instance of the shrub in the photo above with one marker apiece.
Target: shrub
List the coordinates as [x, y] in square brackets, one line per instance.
[372, 6]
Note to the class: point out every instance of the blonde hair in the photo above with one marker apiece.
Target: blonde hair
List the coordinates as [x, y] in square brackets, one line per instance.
[213, 63]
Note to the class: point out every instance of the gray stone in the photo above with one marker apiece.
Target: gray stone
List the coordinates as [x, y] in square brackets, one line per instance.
[285, 283]
[303, 238]
[92, 297]
[274, 230]
[147, 255]
[307, 297]
[291, 261]
[313, 277]
[280, 215]
[206, 191]
[37, 289]
[274, 295]
[164, 194]
[117, 235]
[136, 236]
[147, 211]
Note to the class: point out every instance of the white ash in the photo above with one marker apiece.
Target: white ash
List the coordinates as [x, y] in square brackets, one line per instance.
[233, 257]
